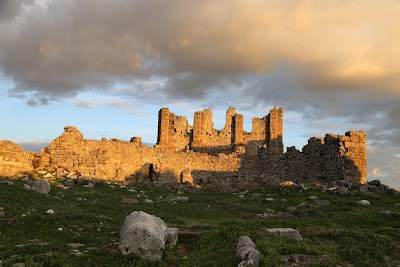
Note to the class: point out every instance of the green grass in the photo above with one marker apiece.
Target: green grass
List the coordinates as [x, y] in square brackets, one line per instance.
[210, 223]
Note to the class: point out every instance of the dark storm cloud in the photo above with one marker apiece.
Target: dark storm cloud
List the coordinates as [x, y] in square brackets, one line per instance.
[9, 9]
[62, 47]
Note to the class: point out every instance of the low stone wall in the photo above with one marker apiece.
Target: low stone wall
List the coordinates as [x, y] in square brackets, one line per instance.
[334, 157]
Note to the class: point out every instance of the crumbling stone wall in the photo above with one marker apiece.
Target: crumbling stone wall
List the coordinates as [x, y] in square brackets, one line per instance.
[335, 157]
[14, 159]
[114, 159]
[176, 135]
[252, 157]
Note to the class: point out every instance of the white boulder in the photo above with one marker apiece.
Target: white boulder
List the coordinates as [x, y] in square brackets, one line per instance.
[246, 253]
[143, 235]
[290, 233]
[364, 202]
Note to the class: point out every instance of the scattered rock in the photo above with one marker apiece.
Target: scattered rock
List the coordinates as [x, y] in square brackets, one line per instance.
[77, 252]
[364, 202]
[302, 205]
[2, 214]
[48, 175]
[246, 253]
[385, 212]
[182, 199]
[89, 185]
[19, 264]
[143, 235]
[291, 209]
[42, 172]
[312, 197]
[305, 260]
[321, 202]
[148, 201]
[290, 233]
[130, 200]
[240, 196]
[256, 195]
[376, 183]
[75, 245]
[363, 188]
[269, 199]
[27, 187]
[172, 236]
[271, 214]
[50, 211]
[1, 208]
[41, 186]
[286, 183]
[388, 212]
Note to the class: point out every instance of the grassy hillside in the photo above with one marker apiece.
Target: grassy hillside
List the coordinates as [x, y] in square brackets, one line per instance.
[84, 229]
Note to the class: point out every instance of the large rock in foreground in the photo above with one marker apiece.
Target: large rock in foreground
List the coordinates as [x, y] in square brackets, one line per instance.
[246, 253]
[145, 235]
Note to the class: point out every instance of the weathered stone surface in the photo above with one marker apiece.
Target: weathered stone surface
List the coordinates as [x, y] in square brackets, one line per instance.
[50, 211]
[321, 202]
[246, 253]
[290, 233]
[129, 200]
[333, 158]
[48, 175]
[143, 235]
[14, 159]
[27, 187]
[172, 236]
[245, 241]
[41, 186]
[364, 202]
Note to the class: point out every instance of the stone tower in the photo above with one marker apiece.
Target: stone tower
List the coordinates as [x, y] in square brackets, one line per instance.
[275, 131]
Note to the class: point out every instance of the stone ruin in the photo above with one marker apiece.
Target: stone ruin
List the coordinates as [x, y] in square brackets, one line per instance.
[197, 154]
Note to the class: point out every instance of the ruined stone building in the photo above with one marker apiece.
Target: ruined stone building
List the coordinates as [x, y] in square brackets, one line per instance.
[197, 154]
[175, 134]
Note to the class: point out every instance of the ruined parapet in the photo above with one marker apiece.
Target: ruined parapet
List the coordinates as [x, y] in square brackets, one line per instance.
[14, 159]
[332, 158]
[337, 157]
[238, 132]
[275, 131]
[197, 130]
[137, 140]
[173, 131]
[346, 156]
[163, 127]
[354, 151]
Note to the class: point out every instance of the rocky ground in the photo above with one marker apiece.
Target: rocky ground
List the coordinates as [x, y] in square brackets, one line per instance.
[77, 222]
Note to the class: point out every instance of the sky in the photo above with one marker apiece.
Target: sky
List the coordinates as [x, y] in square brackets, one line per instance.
[107, 67]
